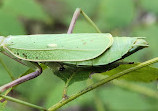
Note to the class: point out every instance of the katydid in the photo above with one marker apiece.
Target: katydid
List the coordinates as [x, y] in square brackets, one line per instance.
[83, 49]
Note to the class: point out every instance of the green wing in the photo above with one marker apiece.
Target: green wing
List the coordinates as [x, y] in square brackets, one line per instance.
[58, 47]
[122, 47]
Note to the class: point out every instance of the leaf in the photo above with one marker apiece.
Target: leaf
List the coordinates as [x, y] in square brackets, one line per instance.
[48, 82]
[40, 87]
[71, 73]
[56, 95]
[4, 76]
[15, 68]
[146, 74]
[114, 14]
[2, 105]
[118, 99]
[83, 100]
[26, 8]
[9, 25]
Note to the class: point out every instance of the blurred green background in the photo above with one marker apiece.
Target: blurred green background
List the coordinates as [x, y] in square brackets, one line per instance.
[118, 17]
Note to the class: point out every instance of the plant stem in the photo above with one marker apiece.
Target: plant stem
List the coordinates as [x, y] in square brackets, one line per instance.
[101, 82]
[65, 96]
[8, 91]
[65, 92]
[22, 102]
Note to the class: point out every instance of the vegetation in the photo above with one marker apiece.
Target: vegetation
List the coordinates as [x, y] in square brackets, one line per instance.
[136, 90]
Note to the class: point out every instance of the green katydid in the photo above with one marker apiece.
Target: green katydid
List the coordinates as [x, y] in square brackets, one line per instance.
[83, 49]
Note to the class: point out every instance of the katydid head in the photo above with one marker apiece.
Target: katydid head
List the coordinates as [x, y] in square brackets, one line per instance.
[139, 44]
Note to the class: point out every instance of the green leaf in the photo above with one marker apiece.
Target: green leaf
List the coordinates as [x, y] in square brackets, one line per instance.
[2, 105]
[56, 95]
[15, 68]
[9, 25]
[27, 8]
[71, 74]
[150, 5]
[114, 14]
[38, 92]
[48, 82]
[118, 99]
[83, 100]
[4, 75]
[146, 74]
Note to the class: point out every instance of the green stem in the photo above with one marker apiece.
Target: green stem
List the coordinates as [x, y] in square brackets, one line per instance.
[65, 96]
[64, 92]
[6, 68]
[137, 88]
[22, 102]
[6, 93]
[90, 21]
[95, 85]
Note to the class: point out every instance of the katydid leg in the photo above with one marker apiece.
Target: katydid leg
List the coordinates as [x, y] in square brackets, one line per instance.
[74, 19]
[21, 80]
[33, 65]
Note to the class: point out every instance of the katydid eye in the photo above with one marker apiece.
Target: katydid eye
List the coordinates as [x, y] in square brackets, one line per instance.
[61, 69]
